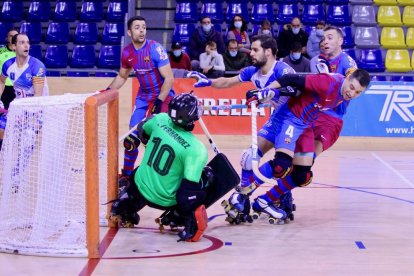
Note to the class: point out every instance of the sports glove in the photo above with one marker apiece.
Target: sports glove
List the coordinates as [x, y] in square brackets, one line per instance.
[131, 142]
[323, 65]
[202, 80]
[2, 109]
[156, 108]
[261, 95]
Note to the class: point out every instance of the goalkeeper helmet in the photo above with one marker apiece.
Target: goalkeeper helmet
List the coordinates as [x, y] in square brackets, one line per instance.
[184, 110]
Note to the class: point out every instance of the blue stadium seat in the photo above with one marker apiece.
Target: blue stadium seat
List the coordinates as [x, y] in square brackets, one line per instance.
[286, 12]
[262, 11]
[86, 33]
[371, 60]
[402, 78]
[366, 37]
[183, 32]
[337, 2]
[312, 14]
[36, 51]
[33, 31]
[309, 28]
[56, 56]
[109, 56]
[364, 15]
[313, 2]
[12, 11]
[288, 1]
[186, 12]
[351, 52]
[104, 74]
[338, 15]
[214, 10]
[5, 27]
[116, 11]
[348, 37]
[91, 11]
[112, 33]
[39, 11]
[65, 11]
[82, 74]
[378, 78]
[57, 33]
[237, 8]
[83, 56]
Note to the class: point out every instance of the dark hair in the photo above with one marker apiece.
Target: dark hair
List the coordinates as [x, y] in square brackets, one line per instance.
[132, 19]
[320, 22]
[361, 76]
[211, 43]
[339, 31]
[232, 41]
[14, 38]
[296, 46]
[243, 27]
[267, 42]
[266, 23]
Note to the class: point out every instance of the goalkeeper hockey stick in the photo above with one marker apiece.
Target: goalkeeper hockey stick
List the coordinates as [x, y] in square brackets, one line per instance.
[231, 106]
[255, 157]
[210, 139]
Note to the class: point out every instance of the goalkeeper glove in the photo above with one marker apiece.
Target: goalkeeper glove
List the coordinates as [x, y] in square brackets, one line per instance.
[202, 80]
[156, 108]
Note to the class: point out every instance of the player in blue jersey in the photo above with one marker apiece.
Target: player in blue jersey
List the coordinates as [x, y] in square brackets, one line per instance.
[264, 71]
[27, 73]
[152, 68]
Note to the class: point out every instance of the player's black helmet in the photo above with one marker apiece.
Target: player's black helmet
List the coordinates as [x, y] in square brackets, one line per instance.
[184, 110]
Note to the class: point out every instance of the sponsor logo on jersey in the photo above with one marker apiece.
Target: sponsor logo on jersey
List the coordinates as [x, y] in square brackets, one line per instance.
[28, 76]
[288, 140]
[40, 73]
[147, 59]
[161, 52]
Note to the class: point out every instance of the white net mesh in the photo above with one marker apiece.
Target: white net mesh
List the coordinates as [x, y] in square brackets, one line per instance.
[42, 176]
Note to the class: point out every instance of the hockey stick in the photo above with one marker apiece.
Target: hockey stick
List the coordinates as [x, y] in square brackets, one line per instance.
[231, 106]
[210, 139]
[127, 133]
[255, 157]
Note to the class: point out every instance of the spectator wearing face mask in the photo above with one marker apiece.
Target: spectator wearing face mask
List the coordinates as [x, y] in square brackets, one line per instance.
[238, 31]
[234, 60]
[291, 33]
[265, 28]
[315, 37]
[296, 60]
[178, 58]
[211, 62]
[199, 39]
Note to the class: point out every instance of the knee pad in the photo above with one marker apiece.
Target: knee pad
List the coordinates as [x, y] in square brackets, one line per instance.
[301, 175]
[281, 165]
[247, 157]
[131, 142]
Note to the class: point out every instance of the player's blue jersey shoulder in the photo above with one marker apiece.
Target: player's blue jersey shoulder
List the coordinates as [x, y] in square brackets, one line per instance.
[253, 74]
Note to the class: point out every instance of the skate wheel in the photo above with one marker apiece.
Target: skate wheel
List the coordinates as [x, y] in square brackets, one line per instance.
[128, 225]
[293, 208]
[255, 216]
[292, 217]
[249, 219]
[224, 203]
[229, 220]
[237, 221]
[272, 221]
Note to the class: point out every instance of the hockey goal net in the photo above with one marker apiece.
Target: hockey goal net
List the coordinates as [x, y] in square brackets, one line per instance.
[58, 165]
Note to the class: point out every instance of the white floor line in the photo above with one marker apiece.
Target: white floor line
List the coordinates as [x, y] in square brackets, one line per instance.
[403, 178]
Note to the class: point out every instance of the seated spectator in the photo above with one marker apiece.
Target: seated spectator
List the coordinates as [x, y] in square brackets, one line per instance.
[178, 58]
[238, 31]
[234, 60]
[211, 62]
[265, 28]
[291, 33]
[199, 39]
[296, 59]
[315, 37]
[315, 59]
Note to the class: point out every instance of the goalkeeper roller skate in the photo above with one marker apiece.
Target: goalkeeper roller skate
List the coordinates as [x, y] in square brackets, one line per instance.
[237, 208]
[276, 215]
[287, 205]
[169, 218]
[123, 213]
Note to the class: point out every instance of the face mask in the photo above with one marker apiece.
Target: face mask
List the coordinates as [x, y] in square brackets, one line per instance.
[295, 30]
[319, 32]
[207, 28]
[266, 32]
[238, 24]
[213, 53]
[177, 53]
[295, 56]
[233, 53]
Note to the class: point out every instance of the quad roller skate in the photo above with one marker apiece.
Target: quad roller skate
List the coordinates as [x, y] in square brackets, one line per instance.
[237, 208]
[276, 215]
[123, 213]
[169, 218]
[287, 205]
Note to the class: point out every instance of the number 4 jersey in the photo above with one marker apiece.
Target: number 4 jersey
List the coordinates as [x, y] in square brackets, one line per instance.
[171, 154]
[25, 77]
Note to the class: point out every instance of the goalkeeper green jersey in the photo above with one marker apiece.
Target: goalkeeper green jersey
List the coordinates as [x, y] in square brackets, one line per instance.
[5, 54]
[171, 154]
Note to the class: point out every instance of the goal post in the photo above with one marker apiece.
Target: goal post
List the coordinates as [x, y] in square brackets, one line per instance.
[58, 166]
